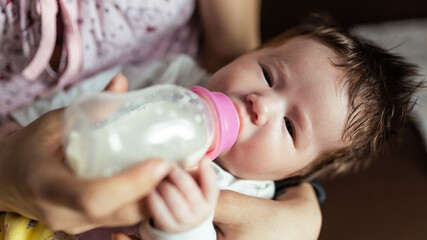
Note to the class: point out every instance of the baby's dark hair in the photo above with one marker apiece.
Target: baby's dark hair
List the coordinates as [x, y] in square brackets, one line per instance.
[380, 88]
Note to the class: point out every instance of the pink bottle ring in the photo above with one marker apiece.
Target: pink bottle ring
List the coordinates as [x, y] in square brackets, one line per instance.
[228, 120]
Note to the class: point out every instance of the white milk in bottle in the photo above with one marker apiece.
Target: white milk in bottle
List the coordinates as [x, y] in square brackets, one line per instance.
[105, 133]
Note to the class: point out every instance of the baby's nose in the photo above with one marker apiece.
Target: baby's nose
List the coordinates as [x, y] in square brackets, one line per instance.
[259, 108]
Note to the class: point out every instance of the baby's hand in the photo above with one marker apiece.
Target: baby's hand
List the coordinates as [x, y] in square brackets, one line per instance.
[182, 202]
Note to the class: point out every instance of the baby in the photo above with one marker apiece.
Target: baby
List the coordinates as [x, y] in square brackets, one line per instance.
[313, 101]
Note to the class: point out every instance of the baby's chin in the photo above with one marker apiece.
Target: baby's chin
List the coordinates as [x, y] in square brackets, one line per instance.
[224, 165]
[218, 161]
[221, 162]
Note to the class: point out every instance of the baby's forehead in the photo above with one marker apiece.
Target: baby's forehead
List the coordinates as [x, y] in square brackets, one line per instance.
[300, 46]
[309, 50]
[304, 40]
[323, 92]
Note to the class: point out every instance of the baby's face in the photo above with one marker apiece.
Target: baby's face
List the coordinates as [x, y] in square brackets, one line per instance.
[291, 104]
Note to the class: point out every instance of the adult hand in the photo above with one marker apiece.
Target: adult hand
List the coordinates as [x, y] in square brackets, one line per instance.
[37, 184]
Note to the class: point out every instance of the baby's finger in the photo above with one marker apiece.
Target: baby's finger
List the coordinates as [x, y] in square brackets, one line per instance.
[186, 185]
[194, 172]
[159, 212]
[175, 201]
[208, 183]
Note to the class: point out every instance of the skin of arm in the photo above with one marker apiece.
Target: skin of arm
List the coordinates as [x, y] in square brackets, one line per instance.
[230, 28]
[284, 218]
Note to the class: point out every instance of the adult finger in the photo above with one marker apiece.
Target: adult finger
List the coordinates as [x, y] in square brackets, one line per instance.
[127, 215]
[104, 196]
[118, 84]
[104, 109]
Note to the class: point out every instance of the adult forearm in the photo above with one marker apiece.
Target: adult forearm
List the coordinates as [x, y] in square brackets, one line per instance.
[230, 28]
[295, 215]
[4, 205]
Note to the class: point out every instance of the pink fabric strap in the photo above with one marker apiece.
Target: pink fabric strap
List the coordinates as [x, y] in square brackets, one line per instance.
[73, 46]
[47, 42]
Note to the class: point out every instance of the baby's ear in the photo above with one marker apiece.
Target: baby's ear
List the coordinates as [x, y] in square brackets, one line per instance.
[118, 84]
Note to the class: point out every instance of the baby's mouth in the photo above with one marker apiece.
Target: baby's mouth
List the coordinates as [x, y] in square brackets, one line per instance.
[238, 107]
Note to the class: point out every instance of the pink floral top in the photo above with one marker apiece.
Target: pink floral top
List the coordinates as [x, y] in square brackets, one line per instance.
[97, 34]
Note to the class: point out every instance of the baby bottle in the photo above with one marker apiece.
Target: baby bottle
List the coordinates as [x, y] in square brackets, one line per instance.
[105, 133]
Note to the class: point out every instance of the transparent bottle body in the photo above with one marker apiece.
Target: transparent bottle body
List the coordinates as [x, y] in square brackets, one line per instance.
[105, 133]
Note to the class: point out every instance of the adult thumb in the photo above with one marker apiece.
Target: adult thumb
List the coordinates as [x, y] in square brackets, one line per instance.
[118, 84]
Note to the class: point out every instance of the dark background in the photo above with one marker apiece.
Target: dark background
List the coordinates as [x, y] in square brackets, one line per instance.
[278, 15]
[388, 200]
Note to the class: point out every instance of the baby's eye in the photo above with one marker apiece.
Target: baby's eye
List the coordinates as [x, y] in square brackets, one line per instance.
[267, 77]
[289, 127]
